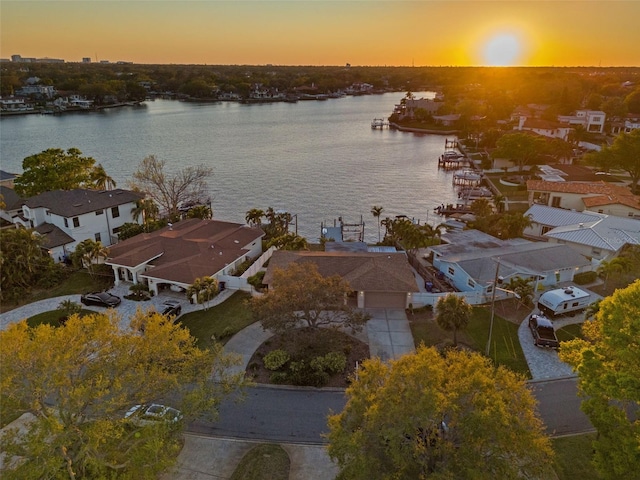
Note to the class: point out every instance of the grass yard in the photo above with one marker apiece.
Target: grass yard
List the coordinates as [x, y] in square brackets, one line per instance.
[573, 457]
[77, 282]
[220, 322]
[569, 332]
[263, 462]
[505, 345]
[52, 317]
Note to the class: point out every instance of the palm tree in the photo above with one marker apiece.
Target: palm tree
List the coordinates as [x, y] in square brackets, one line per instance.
[101, 180]
[200, 211]
[617, 265]
[376, 212]
[89, 252]
[452, 314]
[147, 209]
[254, 217]
[204, 289]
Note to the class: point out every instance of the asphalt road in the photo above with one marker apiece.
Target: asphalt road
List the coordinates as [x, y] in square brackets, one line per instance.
[300, 416]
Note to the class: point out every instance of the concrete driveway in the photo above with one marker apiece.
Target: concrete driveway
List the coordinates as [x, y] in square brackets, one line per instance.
[389, 333]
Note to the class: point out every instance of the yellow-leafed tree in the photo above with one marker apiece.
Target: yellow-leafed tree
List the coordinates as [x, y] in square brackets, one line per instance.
[78, 380]
[426, 415]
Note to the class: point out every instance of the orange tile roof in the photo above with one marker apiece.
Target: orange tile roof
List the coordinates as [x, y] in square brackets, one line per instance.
[602, 193]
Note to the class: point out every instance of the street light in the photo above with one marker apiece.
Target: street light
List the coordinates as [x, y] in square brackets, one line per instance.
[497, 280]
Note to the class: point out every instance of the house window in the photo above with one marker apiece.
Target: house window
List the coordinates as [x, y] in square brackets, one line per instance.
[471, 283]
[631, 214]
[116, 230]
[545, 229]
[66, 223]
[76, 222]
[555, 201]
[47, 213]
[451, 271]
[98, 237]
[596, 251]
[490, 289]
[115, 212]
[99, 212]
[600, 211]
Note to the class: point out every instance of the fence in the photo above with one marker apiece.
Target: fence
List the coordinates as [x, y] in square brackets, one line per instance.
[242, 282]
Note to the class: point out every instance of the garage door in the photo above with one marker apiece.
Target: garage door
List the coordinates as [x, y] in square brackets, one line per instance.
[385, 300]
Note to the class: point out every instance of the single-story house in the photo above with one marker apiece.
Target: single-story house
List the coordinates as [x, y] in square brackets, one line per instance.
[378, 279]
[600, 197]
[470, 261]
[599, 238]
[544, 219]
[78, 215]
[176, 255]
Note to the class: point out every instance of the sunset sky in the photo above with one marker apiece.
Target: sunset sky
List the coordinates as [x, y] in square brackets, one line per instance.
[318, 32]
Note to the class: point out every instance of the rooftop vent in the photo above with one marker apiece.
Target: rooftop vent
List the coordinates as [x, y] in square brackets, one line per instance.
[568, 291]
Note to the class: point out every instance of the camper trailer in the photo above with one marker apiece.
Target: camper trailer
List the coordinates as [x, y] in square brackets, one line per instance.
[561, 301]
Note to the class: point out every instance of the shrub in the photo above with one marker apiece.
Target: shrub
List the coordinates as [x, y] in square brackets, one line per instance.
[332, 362]
[256, 280]
[279, 377]
[276, 359]
[303, 373]
[585, 277]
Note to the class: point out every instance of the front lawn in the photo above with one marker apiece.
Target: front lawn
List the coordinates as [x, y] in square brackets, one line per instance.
[569, 332]
[52, 317]
[505, 344]
[221, 322]
[78, 282]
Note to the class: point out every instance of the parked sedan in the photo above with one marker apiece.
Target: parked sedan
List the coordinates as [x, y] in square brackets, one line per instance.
[171, 308]
[149, 414]
[101, 299]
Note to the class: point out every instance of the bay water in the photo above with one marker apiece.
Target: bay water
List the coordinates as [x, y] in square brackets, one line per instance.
[318, 160]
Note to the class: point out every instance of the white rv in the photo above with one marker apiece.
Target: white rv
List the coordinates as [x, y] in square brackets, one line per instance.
[562, 301]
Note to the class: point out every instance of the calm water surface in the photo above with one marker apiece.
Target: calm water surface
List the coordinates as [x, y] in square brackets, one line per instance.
[318, 160]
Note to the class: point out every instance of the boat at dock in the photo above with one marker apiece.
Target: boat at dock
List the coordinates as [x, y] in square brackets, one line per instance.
[379, 123]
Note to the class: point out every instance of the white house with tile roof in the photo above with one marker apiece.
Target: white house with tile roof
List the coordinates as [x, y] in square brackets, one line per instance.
[176, 255]
[599, 197]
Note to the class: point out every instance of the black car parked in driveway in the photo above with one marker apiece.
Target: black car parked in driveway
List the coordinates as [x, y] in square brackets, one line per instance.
[101, 299]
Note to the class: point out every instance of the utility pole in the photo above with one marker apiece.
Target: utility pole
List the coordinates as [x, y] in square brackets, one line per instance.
[493, 306]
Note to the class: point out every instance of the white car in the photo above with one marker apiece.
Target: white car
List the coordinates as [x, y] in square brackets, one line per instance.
[152, 413]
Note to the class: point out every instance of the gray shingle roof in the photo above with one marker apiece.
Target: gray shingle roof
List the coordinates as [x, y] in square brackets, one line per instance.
[70, 203]
[53, 236]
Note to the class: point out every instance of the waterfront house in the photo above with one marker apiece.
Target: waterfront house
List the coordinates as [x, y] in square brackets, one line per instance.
[378, 279]
[67, 217]
[176, 255]
[600, 197]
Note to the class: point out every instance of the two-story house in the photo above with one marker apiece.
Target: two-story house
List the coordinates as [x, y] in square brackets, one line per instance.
[67, 217]
[599, 197]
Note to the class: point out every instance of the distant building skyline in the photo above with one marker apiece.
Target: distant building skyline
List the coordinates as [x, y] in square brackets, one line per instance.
[360, 33]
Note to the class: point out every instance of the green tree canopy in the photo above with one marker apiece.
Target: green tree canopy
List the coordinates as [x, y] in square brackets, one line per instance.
[426, 415]
[78, 380]
[624, 153]
[55, 169]
[521, 148]
[300, 294]
[23, 262]
[607, 361]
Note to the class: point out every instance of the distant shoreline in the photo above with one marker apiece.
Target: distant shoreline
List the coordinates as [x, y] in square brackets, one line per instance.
[44, 111]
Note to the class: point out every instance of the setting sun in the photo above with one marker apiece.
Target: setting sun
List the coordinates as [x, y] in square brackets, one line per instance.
[502, 50]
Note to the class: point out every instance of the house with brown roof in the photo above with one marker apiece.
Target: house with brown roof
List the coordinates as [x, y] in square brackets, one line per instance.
[176, 255]
[599, 197]
[378, 280]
